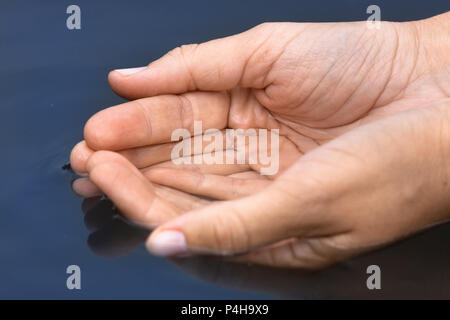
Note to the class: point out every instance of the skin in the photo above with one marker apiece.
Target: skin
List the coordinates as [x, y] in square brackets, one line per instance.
[364, 122]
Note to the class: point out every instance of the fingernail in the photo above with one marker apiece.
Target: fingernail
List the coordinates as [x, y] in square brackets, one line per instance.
[129, 71]
[168, 243]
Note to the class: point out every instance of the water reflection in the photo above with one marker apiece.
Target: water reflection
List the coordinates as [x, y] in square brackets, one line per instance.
[418, 267]
[110, 236]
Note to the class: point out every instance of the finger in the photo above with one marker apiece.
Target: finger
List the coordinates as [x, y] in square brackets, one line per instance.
[241, 225]
[280, 156]
[181, 200]
[196, 163]
[270, 158]
[153, 120]
[95, 209]
[208, 185]
[130, 191]
[78, 157]
[145, 156]
[85, 188]
[222, 64]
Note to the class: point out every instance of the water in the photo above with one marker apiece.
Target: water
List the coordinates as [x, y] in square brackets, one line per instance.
[52, 80]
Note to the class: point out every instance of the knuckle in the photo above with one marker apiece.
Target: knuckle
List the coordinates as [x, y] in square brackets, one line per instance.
[184, 55]
[141, 105]
[183, 52]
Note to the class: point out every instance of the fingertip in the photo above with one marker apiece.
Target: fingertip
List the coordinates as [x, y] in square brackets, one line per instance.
[116, 128]
[124, 83]
[85, 188]
[90, 133]
[113, 75]
[116, 82]
[103, 131]
[97, 133]
[79, 156]
[106, 129]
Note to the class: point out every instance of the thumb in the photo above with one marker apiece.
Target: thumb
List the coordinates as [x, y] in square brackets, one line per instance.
[236, 226]
[216, 65]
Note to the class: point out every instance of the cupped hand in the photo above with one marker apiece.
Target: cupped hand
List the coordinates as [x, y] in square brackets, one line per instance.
[313, 82]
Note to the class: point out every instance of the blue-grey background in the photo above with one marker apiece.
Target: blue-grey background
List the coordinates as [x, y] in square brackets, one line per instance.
[53, 79]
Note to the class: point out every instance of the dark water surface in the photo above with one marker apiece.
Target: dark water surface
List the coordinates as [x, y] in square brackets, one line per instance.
[52, 80]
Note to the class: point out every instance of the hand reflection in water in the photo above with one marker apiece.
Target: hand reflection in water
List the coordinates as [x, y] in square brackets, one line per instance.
[405, 266]
[110, 236]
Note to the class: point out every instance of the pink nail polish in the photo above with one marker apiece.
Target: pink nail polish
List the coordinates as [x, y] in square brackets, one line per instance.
[167, 243]
[129, 71]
